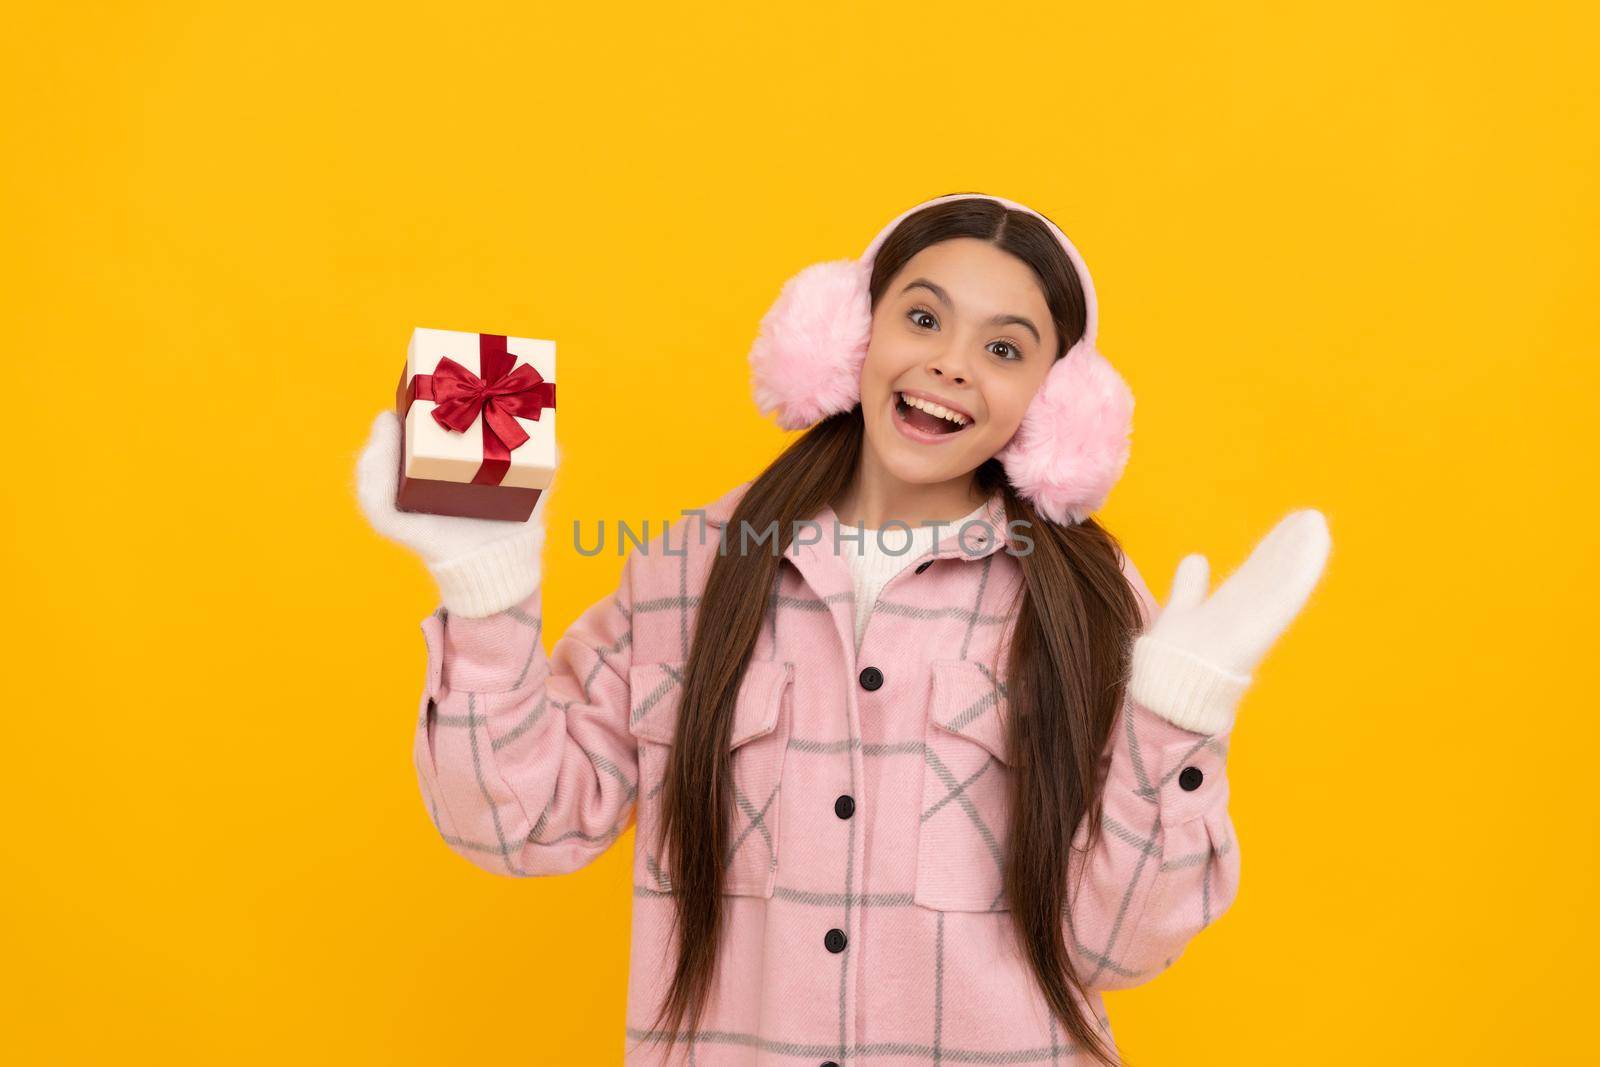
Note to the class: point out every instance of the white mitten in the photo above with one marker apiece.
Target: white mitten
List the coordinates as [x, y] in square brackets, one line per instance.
[1193, 663]
[482, 566]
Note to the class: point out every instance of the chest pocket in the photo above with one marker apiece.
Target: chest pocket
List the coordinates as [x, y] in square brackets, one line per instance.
[762, 722]
[965, 791]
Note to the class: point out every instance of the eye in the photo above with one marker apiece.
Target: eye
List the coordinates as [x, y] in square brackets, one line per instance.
[1008, 346]
[914, 312]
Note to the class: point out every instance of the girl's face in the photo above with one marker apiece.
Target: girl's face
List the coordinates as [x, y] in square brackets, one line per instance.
[964, 335]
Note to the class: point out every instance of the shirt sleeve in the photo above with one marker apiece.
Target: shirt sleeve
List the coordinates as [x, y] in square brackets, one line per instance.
[525, 760]
[1166, 862]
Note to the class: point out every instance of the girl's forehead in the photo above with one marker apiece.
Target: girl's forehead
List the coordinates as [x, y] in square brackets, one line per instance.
[972, 264]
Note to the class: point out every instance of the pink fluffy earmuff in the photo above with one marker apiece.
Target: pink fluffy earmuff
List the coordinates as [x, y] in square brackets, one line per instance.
[1072, 444]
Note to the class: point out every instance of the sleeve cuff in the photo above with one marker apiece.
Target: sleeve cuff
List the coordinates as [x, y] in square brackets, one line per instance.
[1183, 689]
[494, 577]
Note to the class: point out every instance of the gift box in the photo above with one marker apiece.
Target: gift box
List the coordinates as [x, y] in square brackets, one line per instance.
[478, 425]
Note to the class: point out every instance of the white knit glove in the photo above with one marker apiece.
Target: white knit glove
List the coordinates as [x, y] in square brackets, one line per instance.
[482, 566]
[1193, 663]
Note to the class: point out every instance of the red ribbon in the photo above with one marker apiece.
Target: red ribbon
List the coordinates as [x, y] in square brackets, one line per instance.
[501, 396]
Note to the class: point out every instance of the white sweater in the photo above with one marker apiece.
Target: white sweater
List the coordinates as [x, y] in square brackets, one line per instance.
[872, 564]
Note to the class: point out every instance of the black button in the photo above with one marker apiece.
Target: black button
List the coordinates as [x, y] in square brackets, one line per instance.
[871, 678]
[1190, 779]
[845, 806]
[830, 1063]
[924, 565]
[834, 940]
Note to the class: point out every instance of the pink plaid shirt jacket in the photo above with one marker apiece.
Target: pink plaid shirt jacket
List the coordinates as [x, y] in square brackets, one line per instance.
[866, 923]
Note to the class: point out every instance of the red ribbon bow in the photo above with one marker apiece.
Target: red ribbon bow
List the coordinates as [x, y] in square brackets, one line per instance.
[502, 395]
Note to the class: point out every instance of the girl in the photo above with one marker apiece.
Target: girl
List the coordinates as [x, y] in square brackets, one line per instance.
[917, 768]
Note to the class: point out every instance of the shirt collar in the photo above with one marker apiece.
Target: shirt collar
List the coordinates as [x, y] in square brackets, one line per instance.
[977, 542]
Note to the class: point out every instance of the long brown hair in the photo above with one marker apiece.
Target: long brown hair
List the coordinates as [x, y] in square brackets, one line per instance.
[1064, 669]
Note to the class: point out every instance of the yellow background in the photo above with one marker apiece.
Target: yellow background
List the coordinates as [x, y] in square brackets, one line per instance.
[1347, 259]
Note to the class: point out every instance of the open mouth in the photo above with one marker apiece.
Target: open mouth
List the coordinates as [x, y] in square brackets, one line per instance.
[928, 417]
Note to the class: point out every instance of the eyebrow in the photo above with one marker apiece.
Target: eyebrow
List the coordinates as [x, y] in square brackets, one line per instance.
[998, 320]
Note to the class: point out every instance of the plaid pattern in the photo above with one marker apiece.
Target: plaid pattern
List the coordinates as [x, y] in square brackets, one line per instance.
[533, 764]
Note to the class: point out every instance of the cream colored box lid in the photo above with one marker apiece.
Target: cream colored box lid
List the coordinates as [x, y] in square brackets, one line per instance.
[434, 452]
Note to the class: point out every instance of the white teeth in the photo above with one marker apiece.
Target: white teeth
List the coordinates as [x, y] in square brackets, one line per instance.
[934, 409]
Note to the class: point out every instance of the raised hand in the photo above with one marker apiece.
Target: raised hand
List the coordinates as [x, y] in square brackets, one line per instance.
[1195, 660]
[482, 566]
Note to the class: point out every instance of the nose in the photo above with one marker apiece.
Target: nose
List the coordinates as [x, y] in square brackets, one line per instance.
[948, 367]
